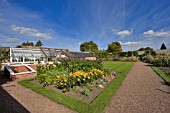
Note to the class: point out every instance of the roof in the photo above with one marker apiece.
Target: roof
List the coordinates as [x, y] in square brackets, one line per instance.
[26, 52]
[79, 54]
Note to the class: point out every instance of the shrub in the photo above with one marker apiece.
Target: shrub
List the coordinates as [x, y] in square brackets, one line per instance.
[132, 59]
[161, 62]
[148, 58]
[45, 79]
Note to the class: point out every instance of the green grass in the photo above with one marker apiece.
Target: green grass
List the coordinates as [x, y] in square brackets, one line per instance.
[98, 105]
[162, 74]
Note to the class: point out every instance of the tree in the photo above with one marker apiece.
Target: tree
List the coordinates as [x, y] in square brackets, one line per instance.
[150, 52]
[114, 47]
[27, 44]
[163, 46]
[38, 43]
[4, 55]
[88, 47]
[145, 49]
[18, 46]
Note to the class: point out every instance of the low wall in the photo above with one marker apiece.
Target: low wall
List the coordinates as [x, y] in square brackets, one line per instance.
[23, 76]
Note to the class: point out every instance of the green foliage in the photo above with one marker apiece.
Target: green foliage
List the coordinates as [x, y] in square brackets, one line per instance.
[38, 43]
[70, 73]
[86, 92]
[114, 47]
[145, 49]
[88, 47]
[148, 59]
[163, 46]
[4, 55]
[45, 79]
[85, 65]
[26, 44]
[162, 74]
[161, 62]
[150, 52]
[78, 105]
[18, 46]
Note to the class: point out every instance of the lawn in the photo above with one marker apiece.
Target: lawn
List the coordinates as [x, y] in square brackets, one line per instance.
[162, 74]
[101, 100]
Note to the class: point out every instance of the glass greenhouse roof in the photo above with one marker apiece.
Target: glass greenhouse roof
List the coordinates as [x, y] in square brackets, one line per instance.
[25, 52]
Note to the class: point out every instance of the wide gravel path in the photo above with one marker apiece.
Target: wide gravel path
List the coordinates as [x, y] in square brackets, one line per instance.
[142, 91]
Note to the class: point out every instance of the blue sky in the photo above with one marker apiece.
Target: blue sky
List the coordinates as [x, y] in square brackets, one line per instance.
[67, 23]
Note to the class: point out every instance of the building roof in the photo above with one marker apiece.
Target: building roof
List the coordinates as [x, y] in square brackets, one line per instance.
[79, 54]
[26, 52]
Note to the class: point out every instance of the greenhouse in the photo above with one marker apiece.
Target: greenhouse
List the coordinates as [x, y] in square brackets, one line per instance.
[32, 55]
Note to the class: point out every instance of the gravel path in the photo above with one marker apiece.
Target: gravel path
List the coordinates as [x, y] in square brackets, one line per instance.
[142, 91]
[15, 98]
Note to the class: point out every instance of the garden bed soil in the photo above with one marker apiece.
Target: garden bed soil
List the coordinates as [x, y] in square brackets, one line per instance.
[78, 95]
[165, 69]
[18, 69]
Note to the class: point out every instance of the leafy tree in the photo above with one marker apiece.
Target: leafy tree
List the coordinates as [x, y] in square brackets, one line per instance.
[114, 47]
[89, 47]
[163, 46]
[18, 46]
[150, 52]
[145, 49]
[38, 43]
[27, 44]
[4, 55]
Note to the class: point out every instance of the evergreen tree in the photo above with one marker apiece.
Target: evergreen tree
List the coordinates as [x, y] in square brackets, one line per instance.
[38, 43]
[163, 46]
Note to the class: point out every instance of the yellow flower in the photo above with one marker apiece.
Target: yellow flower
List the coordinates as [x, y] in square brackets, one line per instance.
[65, 80]
[84, 79]
[58, 77]
[88, 77]
[78, 79]
[61, 83]
[64, 89]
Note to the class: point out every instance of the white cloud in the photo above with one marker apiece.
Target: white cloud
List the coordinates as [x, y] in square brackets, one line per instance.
[124, 33]
[114, 30]
[10, 40]
[30, 32]
[132, 43]
[161, 34]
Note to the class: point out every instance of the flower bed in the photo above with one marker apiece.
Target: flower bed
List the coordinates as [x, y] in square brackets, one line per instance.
[99, 102]
[70, 74]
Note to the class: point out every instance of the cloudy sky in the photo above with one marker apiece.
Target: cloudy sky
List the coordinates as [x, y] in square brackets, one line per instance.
[68, 23]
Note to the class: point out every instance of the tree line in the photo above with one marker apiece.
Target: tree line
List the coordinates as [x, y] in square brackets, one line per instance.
[115, 50]
[113, 47]
[28, 43]
[93, 47]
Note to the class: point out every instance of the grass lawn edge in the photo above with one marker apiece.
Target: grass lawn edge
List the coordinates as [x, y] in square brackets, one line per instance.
[76, 104]
[162, 74]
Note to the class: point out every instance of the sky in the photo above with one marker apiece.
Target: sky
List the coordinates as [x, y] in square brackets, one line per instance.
[68, 23]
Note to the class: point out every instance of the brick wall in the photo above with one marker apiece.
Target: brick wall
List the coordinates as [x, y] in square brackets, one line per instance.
[22, 76]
